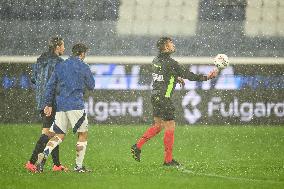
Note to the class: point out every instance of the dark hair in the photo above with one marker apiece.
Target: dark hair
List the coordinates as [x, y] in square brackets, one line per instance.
[161, 43]
[78, 49]
[53, 42]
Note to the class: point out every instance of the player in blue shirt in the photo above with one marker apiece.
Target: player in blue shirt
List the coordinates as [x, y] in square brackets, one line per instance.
[67, 83]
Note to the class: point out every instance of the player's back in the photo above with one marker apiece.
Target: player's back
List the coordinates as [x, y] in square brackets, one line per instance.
[42, 71]
[73, 76]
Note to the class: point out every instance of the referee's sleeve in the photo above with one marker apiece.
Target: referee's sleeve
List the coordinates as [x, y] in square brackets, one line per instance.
[186, 74]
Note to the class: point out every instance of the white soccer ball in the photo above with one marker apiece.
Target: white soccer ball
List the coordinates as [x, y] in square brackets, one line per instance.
[221, 61]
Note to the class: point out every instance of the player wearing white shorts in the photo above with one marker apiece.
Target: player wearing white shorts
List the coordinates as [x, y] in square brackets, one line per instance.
[67, 84]
[75, 119]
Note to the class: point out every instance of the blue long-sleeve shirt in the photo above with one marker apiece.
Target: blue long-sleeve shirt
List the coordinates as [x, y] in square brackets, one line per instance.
[68, 82]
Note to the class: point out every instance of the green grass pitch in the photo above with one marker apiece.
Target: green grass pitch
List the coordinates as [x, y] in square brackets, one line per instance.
[212, 157]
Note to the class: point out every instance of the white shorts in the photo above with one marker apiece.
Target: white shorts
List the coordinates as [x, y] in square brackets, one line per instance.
[77, 119]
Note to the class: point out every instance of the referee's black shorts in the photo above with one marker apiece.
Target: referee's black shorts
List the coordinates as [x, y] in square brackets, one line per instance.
[163, 107]
[47, 121]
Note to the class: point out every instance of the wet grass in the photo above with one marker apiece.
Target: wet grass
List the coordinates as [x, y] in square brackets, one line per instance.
[212, 157]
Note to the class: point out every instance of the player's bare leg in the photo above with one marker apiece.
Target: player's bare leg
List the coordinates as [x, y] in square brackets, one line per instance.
[81, 147]
[52, 143]
[55, 153]
[40, 145]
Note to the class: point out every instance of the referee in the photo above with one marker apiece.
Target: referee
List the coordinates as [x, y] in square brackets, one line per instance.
[166, 74]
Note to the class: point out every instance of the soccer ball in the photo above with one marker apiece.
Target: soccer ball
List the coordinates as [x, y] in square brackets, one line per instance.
[221, 61]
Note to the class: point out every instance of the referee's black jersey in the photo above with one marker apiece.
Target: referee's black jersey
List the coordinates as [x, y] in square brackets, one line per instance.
[165, 71]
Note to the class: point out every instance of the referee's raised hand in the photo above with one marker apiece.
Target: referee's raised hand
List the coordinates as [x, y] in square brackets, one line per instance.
[213, 74]
[181, 82]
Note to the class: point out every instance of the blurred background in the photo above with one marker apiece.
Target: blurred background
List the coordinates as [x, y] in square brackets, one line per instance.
[250, 32]
[131, 27]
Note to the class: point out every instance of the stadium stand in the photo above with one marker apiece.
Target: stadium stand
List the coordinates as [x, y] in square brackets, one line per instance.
[131, 27]
[264, 17]
[160, 17]
[58, 10]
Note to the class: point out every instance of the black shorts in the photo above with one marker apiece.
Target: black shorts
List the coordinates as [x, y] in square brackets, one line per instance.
[163, 108]
[47, 121]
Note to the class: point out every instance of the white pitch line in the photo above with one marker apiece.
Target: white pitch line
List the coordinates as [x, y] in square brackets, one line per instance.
[227, 177]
